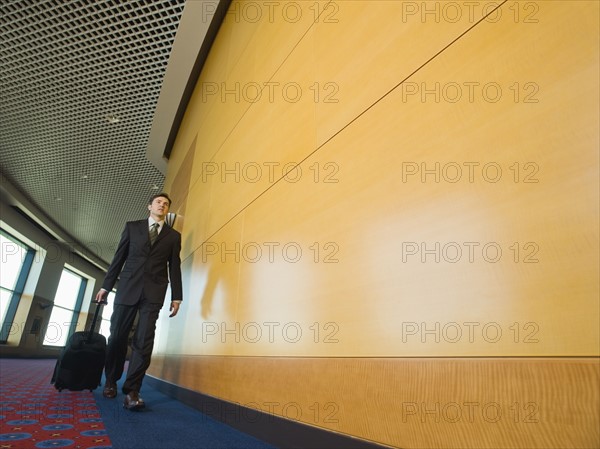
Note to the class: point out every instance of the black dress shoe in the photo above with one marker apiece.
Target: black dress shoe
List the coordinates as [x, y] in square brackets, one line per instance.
[110, 390]
[133, 401]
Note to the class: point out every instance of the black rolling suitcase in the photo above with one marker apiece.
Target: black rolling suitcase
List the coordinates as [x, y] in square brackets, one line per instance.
[79, 366]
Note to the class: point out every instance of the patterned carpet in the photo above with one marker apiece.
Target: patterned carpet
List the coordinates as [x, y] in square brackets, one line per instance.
[33, 414]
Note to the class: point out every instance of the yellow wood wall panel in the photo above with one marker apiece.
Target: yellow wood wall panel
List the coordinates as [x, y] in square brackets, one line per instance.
[280, 32]
[412, 403]
[214, 130]
[228, 52]
[200, 103]
[258, 152]
[381, 297]
[218, 89]
[400, 39]
[195, 222]
[210, 290]
[368, 292]
[374, 200]
[178, 186]
[242, 32]
[169, 331]
[250, 63]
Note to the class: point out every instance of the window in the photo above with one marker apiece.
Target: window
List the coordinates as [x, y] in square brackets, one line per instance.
[107, 311]
[16, 259]
[65, 311]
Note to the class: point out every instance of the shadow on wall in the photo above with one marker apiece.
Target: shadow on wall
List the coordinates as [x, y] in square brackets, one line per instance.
[208, 295]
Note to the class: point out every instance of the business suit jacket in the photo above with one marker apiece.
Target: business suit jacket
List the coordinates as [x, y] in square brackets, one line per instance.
[143, 268]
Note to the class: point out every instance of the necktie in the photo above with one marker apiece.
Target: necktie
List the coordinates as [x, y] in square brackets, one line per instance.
[153, 233]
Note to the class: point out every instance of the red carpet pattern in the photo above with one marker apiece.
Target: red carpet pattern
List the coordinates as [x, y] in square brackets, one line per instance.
[33, 414]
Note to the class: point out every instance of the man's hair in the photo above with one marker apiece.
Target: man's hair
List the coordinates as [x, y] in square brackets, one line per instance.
[164, 195]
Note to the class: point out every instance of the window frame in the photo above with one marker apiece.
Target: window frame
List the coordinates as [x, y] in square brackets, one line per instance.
[19, 287]
[76, 309]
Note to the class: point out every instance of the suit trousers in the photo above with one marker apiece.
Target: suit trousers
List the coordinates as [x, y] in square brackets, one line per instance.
[121, 323]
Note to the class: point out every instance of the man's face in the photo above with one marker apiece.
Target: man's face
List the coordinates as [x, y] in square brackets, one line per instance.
[159, 207]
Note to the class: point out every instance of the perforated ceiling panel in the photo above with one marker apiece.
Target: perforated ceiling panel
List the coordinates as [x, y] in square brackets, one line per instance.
[79, 85]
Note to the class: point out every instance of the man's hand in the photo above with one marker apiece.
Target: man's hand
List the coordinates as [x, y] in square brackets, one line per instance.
[102, 296]
[174, 308]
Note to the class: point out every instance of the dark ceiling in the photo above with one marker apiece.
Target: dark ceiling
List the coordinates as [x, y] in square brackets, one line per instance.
[80, 83]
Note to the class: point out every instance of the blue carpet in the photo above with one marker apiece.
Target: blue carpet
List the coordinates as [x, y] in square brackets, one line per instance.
[167, 424]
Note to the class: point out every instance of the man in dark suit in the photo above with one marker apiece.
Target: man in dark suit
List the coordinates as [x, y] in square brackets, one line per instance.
[146, 259]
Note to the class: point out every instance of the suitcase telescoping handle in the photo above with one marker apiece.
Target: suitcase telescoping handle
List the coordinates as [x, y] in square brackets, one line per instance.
[91, 332]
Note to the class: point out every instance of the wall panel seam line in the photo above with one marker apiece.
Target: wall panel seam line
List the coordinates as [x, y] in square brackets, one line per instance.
[264, 87]
[341, 129]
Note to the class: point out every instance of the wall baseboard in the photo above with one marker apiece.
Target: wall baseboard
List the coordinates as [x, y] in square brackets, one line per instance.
[275, 430]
